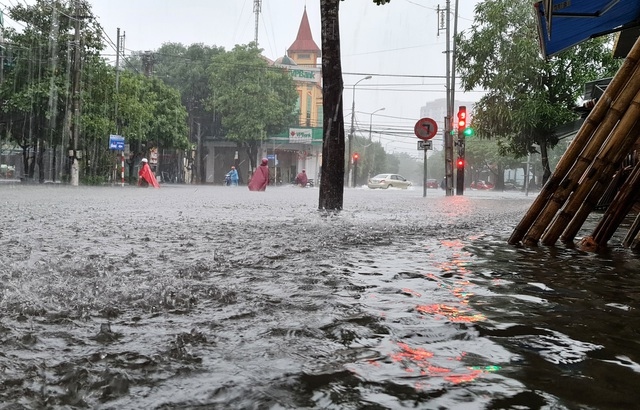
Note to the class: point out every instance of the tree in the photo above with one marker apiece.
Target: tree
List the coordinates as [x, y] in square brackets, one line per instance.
[35, 86]
[527, 96]
[486, 155]
[186, 68]
[253, 98]
[332, 178]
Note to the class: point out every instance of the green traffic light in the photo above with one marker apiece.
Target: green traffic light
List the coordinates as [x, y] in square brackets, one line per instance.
[469, 132]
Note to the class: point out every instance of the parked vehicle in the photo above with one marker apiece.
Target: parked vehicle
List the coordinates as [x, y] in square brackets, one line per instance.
[512, 185]
[432, 183]
[481, 185]
[385, 181]
[7, 171]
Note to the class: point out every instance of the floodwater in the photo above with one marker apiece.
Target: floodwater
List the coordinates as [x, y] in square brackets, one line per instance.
[221, 298]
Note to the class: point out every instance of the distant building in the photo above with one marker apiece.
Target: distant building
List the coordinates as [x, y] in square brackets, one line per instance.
[300, 146]
[437, 110]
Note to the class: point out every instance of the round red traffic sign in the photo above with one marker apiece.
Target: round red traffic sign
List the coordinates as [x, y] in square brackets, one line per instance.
[425, 129]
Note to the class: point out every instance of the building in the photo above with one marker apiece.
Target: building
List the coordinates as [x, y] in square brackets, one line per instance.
[300, 146]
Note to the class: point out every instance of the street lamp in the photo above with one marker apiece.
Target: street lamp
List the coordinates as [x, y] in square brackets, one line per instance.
[353, 129]
[371, 120]
[373, 152]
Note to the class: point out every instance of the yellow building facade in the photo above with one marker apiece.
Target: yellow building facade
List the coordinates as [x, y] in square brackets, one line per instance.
[302, 63]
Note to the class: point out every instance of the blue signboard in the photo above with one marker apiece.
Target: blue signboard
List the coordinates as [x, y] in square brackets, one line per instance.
[116, 142]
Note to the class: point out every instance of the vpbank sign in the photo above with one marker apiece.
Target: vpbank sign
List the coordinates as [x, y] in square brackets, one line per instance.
[307, 76]
[300, 135]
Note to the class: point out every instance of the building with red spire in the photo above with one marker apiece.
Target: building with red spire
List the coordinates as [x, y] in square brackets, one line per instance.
[301, 147]
[301, 61]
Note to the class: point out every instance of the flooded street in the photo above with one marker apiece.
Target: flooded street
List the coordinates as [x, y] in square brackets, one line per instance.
[217, 297]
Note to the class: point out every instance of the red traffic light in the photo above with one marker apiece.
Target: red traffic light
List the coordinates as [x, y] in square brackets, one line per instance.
[356, 156]
[462, 117]
[460, 162]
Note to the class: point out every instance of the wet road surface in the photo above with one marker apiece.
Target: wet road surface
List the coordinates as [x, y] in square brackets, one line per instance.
[216, 297]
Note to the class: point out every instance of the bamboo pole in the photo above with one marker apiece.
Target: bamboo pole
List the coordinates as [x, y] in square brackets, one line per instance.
[586, 208]
[586, 157]
[634, 231]
[584, 134]
[601, 171]
[619, 208]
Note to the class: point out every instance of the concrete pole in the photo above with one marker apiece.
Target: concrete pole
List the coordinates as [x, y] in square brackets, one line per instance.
[353, 128]
[370, 162]
[117, 79]
[448, 138]
[75, 166]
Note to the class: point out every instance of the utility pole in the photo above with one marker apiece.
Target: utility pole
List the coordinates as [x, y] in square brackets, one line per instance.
[75, 166]
[448, 137]
[2, 48]
[53, 89]
[461, 155]
[444, 18]
[117, 80]
[257, 8]
[353, 127]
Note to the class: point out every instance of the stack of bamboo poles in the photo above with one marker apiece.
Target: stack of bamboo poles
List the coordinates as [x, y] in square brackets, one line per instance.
[587, 168]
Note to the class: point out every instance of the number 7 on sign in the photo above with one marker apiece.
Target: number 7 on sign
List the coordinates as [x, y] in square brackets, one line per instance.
[425, 128]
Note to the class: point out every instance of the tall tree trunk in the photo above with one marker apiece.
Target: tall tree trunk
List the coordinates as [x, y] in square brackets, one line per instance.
[40, 159]
[544, 158]
[25, 162]
[332, 177]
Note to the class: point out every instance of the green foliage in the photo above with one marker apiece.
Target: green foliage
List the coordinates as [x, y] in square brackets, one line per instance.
[373, 158]
[36, 94]
[527, 96]
[253, 98]
[94, 180]
[186, 68]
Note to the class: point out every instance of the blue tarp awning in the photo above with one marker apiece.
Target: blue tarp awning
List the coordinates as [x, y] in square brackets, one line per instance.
[571, 22]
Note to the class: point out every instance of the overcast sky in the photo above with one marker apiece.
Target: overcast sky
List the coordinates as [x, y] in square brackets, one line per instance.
[398, 44]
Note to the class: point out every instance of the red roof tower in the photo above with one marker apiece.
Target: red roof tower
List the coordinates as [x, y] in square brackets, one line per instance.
[304, 41]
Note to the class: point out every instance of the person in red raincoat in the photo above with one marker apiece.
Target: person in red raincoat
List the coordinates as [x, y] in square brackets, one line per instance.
[146, 176]
[260, 178]
[301, 179]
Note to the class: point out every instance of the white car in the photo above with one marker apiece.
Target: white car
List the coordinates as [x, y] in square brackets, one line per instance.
[385, 181]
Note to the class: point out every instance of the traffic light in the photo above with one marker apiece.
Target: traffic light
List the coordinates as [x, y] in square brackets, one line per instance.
[462, 118]
[355, 157]
[460, 163]
[464, 130]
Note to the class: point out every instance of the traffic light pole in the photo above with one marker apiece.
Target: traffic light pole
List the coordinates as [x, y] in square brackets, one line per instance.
[460, 164]
[355, 171]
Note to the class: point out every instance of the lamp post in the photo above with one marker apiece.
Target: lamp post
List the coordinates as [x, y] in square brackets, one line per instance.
[353, 130]
[373, 153]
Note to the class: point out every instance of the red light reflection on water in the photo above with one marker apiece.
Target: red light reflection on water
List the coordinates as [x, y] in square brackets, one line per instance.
[417, 355]
[418, 359]
[461, 378]
[452, 244]
[452, 313]
[422, 362]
